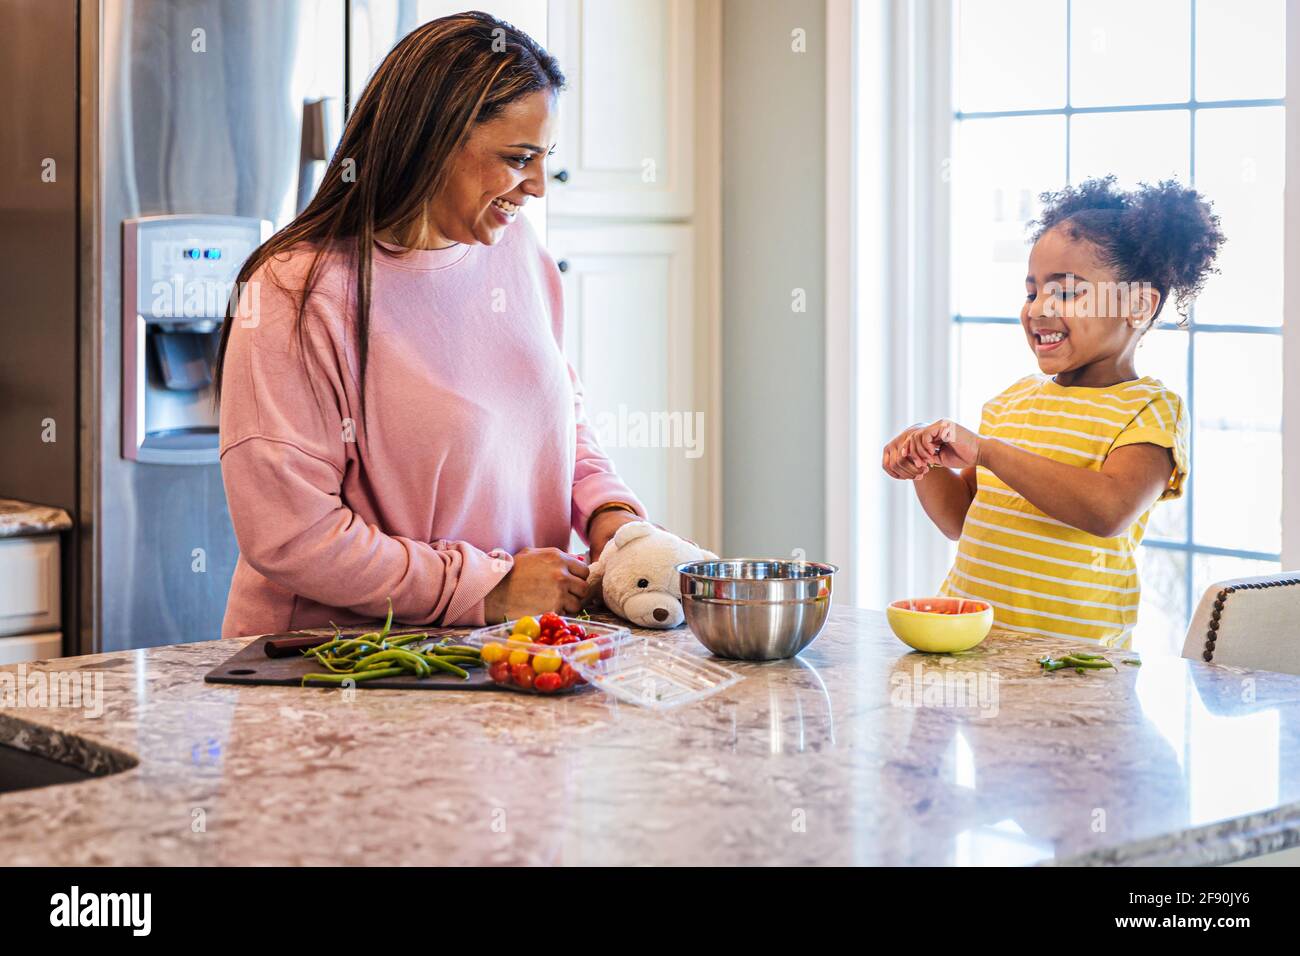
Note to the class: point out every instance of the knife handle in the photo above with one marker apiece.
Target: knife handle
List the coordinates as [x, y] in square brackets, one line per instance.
[288, 646]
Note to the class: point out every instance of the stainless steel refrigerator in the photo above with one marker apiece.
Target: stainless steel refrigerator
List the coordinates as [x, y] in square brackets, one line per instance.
[149, 145]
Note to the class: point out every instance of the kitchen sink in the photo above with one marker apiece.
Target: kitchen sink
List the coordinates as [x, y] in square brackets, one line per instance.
[48, 757]
[20, 770]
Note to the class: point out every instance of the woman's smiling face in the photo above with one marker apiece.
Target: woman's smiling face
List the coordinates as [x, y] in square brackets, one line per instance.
[500, 168]
[1077, 313]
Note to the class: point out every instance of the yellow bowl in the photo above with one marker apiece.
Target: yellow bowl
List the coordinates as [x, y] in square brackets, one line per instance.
[940, 625]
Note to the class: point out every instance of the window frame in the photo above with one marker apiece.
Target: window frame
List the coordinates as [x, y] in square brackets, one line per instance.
[895, 553]
[1188, 544]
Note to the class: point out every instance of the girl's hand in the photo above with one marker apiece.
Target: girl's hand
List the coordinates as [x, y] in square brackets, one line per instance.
[898, 460]
[945, 443]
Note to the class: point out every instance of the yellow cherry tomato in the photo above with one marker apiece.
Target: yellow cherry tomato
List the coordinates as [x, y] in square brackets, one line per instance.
[586, 652]
[493, 652]
[518, 657]
[527, 626]
[546, 662]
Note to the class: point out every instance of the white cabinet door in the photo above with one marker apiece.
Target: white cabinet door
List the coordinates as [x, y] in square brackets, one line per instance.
[627, 117]
[628, 333]
[29, 584]
[31, 647]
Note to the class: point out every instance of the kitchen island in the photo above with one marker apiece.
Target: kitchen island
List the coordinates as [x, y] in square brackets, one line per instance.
[858, 752]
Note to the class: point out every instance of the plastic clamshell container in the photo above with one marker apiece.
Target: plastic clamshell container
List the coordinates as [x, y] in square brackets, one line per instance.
[655, 675]
[602, 640]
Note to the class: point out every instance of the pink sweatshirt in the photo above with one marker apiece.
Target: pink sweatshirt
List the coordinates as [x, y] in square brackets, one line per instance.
[474, 443]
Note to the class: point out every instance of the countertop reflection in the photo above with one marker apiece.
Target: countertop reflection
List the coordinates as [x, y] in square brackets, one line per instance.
[858, 752]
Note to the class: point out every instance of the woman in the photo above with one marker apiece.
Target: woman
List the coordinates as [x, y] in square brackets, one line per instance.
[397, 417]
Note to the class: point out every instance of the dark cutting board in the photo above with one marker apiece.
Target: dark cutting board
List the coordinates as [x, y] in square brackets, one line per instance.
[252, 666]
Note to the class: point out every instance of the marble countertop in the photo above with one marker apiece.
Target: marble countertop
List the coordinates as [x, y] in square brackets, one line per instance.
[858, 752]
[24, 518]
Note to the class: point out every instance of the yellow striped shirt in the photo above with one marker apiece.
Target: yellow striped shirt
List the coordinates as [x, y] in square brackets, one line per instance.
[1042, 576]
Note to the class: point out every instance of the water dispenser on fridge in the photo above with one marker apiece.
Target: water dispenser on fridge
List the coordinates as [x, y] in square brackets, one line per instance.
[178, 273]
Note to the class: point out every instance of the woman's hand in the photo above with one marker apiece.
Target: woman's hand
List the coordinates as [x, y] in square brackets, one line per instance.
[945, 443]
[897, 458]
[543, 579]
[604, 526]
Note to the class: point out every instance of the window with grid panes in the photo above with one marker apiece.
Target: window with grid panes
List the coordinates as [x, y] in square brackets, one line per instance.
[1054, 91]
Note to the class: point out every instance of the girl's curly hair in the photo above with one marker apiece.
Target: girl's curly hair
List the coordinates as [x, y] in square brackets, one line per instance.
[1164, 234]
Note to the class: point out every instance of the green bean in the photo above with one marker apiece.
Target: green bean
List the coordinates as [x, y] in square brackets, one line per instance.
[378, 672]
[462, 650]
[405, 639]
[337, 639]
[337, 646]
[1101, 664]
[351, 653]
[1081, 661]
[320, 648]
[384, 654]
[339, 679]
[1132, 660]
[342, 650]
[442, 664]
[335, 666]
[402, 657]
[424, 669]
[462, 661]
[382, 659]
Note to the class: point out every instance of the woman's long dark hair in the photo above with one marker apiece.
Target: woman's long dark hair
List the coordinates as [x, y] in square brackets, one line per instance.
[416, 112]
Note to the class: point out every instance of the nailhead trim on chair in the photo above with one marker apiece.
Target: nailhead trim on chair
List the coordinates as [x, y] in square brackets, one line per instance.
[1222, 597]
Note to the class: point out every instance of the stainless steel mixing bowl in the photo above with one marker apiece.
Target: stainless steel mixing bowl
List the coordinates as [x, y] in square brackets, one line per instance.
[756, 609]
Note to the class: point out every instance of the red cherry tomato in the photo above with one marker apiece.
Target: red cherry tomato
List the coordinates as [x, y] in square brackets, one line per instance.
[522, 675]
[568, 639]
[551, 620]
[576, 630]
[500, 672]
[547, 683]
[568, 676]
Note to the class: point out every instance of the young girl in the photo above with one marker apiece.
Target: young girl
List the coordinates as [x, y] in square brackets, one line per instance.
[1050, 499]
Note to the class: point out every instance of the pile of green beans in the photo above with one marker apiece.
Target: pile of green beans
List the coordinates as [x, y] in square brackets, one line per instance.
[380, 654]
[1082, 662]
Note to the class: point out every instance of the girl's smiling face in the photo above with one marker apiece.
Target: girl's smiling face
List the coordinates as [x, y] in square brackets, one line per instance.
[500, 168]
[1081, 322]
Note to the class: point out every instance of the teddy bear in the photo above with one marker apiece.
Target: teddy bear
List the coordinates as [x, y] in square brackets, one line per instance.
[637, 576]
